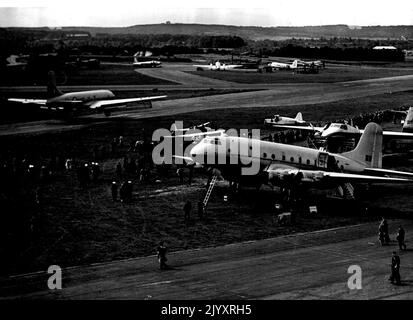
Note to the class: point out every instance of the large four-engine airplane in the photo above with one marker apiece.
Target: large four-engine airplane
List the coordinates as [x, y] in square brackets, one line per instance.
[286, 121]
[72, 102]
[217, 66]
[289, 165]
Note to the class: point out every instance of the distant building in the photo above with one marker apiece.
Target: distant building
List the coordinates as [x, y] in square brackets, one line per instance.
[384, 48]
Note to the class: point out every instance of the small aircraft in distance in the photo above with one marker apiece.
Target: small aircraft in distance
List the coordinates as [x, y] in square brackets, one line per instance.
[277, 119]
[315, 63]
[142, 60]
[196, 132]
[72, 102]
[202, 127]
[283, 66]
[218, 66]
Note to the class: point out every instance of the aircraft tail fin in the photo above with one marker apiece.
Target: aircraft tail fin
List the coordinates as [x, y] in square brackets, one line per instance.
[295, 64]
[52, 90]
[369, 147]
[408, 122]
[299, 117]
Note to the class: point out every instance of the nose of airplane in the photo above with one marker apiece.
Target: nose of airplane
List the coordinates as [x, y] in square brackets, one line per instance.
[197, 150]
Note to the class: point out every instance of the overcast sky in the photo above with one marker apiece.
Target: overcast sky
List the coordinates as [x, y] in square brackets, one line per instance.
[118, 13]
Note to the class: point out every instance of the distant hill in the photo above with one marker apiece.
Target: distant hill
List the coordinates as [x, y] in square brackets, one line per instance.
[259, 33]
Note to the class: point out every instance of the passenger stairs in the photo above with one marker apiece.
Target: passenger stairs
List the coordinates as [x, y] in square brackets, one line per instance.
[209, 191]
[344, 191]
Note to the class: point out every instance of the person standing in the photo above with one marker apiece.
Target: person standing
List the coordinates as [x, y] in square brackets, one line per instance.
[162, 249]
[400, 238]
[187, 210]
[180, 173]
[191, 173]
[395, 269]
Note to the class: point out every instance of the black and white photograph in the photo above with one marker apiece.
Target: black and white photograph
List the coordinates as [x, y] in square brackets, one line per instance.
[188, 153]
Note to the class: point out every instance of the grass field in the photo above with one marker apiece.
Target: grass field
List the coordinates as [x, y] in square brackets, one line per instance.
[328, 75]
[77, 225]
[105, 75]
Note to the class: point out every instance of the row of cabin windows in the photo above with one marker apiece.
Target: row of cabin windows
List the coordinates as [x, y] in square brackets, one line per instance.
[308, 162]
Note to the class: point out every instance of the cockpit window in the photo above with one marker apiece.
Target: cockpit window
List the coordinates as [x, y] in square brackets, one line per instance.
[343, 127]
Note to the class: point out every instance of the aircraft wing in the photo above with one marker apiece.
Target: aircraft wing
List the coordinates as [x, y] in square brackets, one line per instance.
[198, 134]
[232, 66]
[103, 103]
[351, 177]
[307, 128]
[395, 134]
[385, 172]
[205, 66]
[400, 135]
[193, 127]
[41, 102]
[312, 176]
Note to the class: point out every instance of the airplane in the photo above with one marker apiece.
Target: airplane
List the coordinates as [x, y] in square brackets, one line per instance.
[289, 166]
[343, 129]
[218, 66]
[315, 63]
[279, 65]
[298, 120]
[72, 102]
[17, 61]
[196, 132]
[141, 62]
[202, 127]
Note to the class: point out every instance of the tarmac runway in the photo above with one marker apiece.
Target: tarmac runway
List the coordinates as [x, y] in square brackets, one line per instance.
[303, 266]
[283, 95]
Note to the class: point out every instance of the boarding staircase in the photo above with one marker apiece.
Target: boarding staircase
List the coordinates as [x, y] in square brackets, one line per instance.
[344, 191]
[209, 191]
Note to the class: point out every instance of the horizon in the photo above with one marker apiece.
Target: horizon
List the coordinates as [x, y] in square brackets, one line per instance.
[213, 24]
[263, 13]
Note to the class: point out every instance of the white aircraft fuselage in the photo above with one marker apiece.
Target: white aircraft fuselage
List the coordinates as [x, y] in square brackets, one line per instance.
[83, 96]
[285, 156]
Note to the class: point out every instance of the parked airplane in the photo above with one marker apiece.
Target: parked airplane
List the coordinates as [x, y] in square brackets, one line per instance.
[279, 65]
[102, 100]
[142, 61]
[203, 127]
[311, 64]
[288, 165]
[344, 129]
[196, 132]
[17, 61]
[217, 66]
[298, 120]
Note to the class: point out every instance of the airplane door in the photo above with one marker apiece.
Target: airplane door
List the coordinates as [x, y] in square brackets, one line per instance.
[322, 160]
